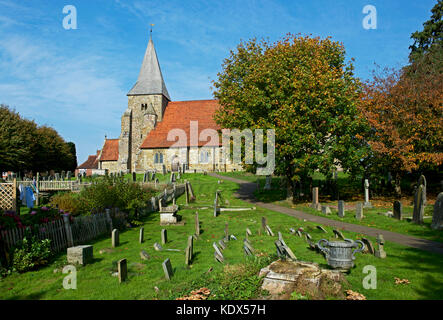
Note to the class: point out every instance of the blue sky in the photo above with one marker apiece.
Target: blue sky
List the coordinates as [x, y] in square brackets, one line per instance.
[77, 80]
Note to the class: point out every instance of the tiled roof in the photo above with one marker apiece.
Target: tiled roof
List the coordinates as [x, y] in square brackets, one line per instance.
[178, 115]
[110, 150]
[91, 163]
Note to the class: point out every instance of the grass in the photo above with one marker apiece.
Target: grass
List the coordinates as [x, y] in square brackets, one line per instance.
[237, 279]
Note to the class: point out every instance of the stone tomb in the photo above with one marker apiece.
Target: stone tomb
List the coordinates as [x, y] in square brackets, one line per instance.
[80, 254]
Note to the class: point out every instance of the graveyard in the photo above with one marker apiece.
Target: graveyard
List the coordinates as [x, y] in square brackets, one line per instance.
[231, 272]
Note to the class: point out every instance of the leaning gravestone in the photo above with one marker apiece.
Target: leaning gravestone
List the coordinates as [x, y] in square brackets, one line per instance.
[167, 268]
[122, 270]
[341, 208]
[218, 254]
[269, 231]
[359, 211]
[164, 236]
[144, 255]
[437, 217]
[322, 229]
[398, 210]
[338, 234]
[222, 244]
[115, 238]
[368, 245]
[419, 204]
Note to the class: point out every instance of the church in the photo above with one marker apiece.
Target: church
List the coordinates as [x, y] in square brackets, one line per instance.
[157, 132]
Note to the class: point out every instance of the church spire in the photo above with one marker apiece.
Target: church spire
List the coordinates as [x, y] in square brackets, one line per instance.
[150, 79]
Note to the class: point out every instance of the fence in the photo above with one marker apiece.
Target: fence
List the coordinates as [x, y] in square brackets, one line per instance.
[68, 185]
[8, 195]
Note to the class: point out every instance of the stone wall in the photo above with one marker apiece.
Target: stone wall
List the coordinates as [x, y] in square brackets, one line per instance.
[111, 166]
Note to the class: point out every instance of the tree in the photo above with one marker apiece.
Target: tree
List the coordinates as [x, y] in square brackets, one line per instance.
[302, 88]
[430, 36]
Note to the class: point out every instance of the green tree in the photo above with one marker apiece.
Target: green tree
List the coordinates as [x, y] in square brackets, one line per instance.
[303, 88]
[430, 36]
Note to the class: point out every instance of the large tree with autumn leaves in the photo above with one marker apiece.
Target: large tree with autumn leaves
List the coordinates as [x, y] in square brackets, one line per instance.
[304, 89]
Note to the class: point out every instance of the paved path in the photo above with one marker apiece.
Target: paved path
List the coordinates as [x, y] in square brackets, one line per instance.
[246, 193]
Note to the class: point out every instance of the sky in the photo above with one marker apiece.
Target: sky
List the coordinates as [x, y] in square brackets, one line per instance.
[76, 80]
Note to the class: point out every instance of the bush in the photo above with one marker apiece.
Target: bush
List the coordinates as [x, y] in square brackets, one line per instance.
[30, 254]
[68, 202]
[10, 220]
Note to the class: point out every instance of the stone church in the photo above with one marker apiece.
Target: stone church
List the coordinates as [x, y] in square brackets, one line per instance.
[151, 116]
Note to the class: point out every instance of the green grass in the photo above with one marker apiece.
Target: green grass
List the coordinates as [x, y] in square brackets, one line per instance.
[94, 281]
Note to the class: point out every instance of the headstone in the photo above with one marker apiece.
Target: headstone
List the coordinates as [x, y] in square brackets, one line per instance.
[144, 255]
[80, 254]
[308, 236]
[269, 231]
[172, 178]
[158, 247]
[122, 270]
[248, 232]
[164, 169]
[419, 204]
[222, 244]
[368, 245]
[437, 217]
[322, 229]
[341, 208]
[226, 232]
[197, 224]
[153, 177]
[232, 237]
[167, 268]
[359, 211]
[338, 234]
[367, 203]
[189, 250]
[380, 253]
[268, 183]
[315, 204]
[280, 236]
[218, 254]
[115, 238]
[184, 168]
[325, 210]
[141, 235]
[398, 210]
[134, 177]
[164, 236]
[264, 223]
[280, 250]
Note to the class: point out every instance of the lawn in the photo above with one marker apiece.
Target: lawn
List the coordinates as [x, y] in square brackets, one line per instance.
[147, 281]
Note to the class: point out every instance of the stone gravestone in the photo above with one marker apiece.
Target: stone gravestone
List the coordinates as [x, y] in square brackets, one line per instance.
[80, 254]
[359, 211]
[226, 232]
[322, 229]
[367, 203]
[325, 210]
[380, 253]
[172, 178]
[153, 177]
[419, 205]
[184, 168]
[398, 210]
[269, 231]
[189, 250]
[164, 169]
[167, 268]
[144, 255]
[341, 208]
[268, 183]
[368, 245]
[218, 254]
[222, 244]
[141, 235]
[437, 217]
[338, 234]
[247, 248]
[134, 177]
[164, 236]
[197, 225]
[122, 270]
[115, 238]
[315, 204]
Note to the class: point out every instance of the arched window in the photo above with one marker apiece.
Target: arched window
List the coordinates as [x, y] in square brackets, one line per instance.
[161, 157]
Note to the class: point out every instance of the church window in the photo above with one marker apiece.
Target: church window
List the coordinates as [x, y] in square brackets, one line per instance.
[204, 157]
[158, 158]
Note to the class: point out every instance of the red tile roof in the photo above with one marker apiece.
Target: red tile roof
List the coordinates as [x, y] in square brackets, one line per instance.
[91, 163]
[178, 115]
[110, 150]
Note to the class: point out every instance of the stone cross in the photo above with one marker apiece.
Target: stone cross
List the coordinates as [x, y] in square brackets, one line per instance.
[398, 210]
[341, 208]
[115, 238]
[122, 270]
[141, 235]
[367, 203]
[167, 268]
[359, 211]
[164, 236]
[437, 217]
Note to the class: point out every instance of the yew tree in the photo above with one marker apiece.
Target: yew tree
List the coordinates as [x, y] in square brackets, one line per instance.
[304, 89]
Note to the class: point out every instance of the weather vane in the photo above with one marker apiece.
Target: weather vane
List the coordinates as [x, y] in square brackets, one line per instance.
[151, 29]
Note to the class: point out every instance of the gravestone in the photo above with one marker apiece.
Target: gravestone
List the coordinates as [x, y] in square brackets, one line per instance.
[308, 236]
[222, 244]
[268, 183]
[122, 270]
[368, 245]
[197, 224]
[184, 168]
[144, 255]
[167, 269]
[338, 234]
[247, 248]
[264, 223]
[232, 237]
[419, 205]
[380, 253]
[367, 203]
[226, 232]
[164, 236]
[359, 211]
[269, 231]
[437, 217]
[315, 204]
[398, 210]
[164, 169]
[134, 177]
[141, 235]
[280, 250]
[80, 254]
[115, 238]
[280, 236]
[218, 254]
[248, 232]
[172, 177]
[341, 208]
[153, 177]
[189, 250]
[157, 247]
[322, 229]
[325, 210]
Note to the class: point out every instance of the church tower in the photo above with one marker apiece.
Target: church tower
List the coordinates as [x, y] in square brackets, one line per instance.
[147, 101]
